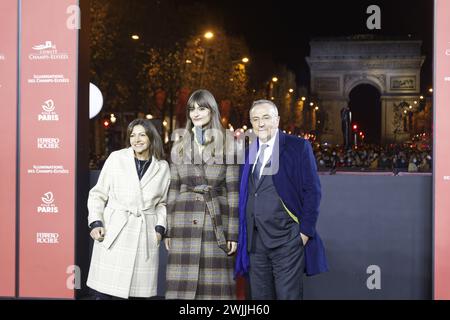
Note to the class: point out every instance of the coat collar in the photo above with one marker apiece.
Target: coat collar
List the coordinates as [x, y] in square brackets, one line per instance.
[193, 154]
[282, 141]
[151, 171]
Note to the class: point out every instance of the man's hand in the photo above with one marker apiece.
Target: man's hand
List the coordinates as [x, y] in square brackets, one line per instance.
[232, 247]
[98, 234]
[305, 238]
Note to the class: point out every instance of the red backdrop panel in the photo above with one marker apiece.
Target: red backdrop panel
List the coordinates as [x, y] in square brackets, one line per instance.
[442, 151]
[8, 98]
[47, 148]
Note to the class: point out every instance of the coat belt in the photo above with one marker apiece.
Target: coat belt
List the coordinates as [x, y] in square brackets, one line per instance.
[210, 196]
[127, 212]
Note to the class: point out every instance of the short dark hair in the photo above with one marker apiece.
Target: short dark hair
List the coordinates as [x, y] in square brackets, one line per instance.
[156, 145]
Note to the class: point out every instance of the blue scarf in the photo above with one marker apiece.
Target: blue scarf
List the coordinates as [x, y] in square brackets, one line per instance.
[199, 135]
[242, 258]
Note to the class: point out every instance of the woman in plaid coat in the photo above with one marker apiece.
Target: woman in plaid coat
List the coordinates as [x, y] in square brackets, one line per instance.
[202, 208]
[127, 216]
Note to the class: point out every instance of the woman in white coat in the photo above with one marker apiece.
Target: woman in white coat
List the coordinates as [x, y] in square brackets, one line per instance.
[127, 216]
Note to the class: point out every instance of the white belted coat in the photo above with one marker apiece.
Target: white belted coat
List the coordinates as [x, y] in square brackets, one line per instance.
[125, 263]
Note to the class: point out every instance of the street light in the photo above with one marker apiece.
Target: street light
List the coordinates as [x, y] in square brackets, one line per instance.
[208, 35]
[355, 130]
[240, 62]
[291, 90]
[135, 37]
[270, 85]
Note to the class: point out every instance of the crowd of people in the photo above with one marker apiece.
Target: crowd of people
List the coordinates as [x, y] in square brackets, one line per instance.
[395, 158]
[392, 157]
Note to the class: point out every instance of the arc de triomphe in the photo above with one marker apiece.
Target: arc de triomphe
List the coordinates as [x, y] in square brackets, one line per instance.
[340, 64]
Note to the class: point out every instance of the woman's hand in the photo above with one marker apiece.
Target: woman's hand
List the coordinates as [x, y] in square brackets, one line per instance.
[167, 243]
[98, 234]
[232, 247]
[158, 238]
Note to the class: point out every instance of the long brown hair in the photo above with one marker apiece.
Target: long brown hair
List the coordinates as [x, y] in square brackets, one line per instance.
[156, 146]
[203, 98]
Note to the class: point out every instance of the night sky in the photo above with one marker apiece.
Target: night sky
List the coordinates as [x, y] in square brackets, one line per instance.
[278, 33]
[281, 30]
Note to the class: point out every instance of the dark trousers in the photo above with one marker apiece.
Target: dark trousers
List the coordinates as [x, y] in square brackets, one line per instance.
[103, 296]
[276, 274]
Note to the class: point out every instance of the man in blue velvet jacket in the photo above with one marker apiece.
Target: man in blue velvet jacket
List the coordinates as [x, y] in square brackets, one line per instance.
[278, 209]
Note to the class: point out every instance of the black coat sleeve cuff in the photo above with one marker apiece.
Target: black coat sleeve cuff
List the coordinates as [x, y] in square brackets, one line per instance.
[160, 229]
[96, 224]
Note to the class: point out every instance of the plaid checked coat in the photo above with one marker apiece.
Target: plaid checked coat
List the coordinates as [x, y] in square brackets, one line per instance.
[126, 262]
[198, 222]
